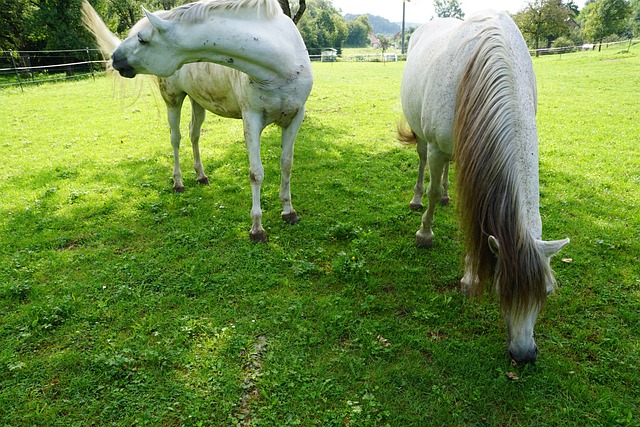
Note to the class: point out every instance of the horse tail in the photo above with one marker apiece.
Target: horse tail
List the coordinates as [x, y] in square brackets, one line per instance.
[486, 156]
[107, 41]
[406, 135]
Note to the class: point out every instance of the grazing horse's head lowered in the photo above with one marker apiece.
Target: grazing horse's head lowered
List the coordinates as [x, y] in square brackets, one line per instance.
[469, 94]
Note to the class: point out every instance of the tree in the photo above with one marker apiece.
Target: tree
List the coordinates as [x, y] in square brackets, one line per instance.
[634, 21]
[358, 32]
[544, 20]
[606, 17]
[12, 20]
[322, 26]
[385, 43]
[286, 8]
[448, 9]
[55, 24]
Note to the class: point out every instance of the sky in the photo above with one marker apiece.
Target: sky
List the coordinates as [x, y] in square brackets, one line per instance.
[421, 11]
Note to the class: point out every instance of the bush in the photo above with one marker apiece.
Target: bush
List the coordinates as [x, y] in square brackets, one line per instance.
[563, 42]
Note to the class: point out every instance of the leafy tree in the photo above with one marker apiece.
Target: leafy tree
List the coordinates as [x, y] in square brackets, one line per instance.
[55, 24]
[634, 20]
[12, 20]
[545, 20]
[448, 9]
[322, 26]
[606, 17]
[385, 42]
[358, 32]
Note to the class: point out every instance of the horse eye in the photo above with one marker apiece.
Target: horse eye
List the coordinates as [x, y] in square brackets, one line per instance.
[141, 40]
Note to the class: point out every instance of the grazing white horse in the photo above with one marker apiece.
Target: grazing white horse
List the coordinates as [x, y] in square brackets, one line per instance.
[236, 58]
[469, 94]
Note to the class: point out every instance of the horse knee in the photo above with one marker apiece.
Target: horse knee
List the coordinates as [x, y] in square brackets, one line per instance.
[256, 177]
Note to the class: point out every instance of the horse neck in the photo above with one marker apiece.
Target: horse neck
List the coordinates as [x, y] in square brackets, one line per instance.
[268, 50]
[526, 137]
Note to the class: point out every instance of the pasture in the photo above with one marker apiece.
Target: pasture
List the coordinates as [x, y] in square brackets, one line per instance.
[123, 303]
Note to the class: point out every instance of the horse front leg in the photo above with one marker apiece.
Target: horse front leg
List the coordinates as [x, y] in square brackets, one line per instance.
[437, 162]
[253, 127]
[418, 190]
[289, 135]
[173, 115]
[197, 118]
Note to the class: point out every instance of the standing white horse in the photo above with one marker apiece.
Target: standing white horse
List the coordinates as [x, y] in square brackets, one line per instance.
[469, 94]
[244, 59]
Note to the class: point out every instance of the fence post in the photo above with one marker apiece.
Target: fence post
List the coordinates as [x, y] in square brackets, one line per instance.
[90, 63]
[13, 61]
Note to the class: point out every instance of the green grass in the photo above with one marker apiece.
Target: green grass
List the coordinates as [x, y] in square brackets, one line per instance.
[123, 303]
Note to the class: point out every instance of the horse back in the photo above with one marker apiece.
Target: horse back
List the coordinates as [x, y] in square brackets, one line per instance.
[439, 53]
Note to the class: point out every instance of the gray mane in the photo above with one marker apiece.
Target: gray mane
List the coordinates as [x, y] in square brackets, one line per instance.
[486, 154]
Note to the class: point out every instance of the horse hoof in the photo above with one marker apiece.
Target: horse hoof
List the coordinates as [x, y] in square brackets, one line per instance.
[416, 207]
[444, 201]
[291, 218]
[203, 180]
[258, 237]
[424, 241]
[178, 189]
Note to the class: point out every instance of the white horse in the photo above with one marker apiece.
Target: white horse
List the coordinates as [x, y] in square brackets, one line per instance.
[469, 94]
[244, 59]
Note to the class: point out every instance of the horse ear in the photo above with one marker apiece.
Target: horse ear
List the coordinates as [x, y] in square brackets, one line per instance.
[158, 23]
[552, 247]
[494, 245]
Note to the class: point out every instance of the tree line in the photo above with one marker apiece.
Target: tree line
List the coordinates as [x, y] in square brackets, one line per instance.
[56, 24]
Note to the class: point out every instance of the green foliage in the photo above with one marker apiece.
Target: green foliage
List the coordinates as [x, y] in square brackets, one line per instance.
[605, 17]
[448, 9]
[122, 303]
[358, 32]
[563, 42]
[545, 20]
[322, 26]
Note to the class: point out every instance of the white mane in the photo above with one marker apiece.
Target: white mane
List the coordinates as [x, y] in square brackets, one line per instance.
[199, 11]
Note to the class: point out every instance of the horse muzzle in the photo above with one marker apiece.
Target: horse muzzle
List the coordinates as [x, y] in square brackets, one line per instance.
[522, 357]
[121, 64]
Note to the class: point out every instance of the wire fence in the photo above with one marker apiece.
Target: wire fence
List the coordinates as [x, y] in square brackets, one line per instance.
[20, 68]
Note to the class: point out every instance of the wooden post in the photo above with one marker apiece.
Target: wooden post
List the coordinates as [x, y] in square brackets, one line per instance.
[13, 61]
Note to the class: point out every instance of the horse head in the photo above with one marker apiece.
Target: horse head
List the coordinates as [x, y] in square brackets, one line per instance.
[521, 316]
[149, 49]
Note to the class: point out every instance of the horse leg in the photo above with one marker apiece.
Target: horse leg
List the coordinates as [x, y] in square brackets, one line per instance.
[253, 126]
[469, 281]
[418, 190]
[444, 200]
[173, 114]
[437, 162]
[289, 134]
[197, 118]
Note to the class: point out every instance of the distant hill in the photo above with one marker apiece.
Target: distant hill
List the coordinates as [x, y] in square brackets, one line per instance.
[382, 25]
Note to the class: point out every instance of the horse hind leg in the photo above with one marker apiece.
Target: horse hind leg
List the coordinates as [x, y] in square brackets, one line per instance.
[418, 189]
[437, 163]
[289, 135]
[173, 115]
[197, 118]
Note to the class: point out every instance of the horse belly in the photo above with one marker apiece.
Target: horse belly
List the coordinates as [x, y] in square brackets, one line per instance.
[210, 86]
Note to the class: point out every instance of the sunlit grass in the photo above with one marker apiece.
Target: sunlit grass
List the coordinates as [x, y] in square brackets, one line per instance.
[123, 303]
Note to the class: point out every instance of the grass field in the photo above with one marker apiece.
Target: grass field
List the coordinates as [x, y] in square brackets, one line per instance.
[123, 303]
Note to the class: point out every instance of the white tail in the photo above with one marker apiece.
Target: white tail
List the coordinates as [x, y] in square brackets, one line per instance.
[107, 41]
